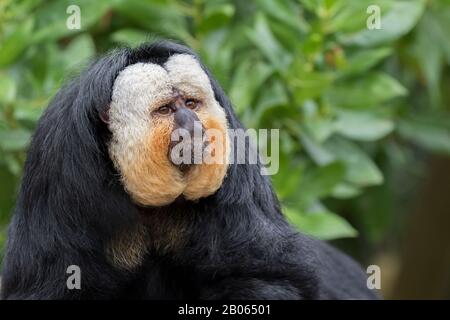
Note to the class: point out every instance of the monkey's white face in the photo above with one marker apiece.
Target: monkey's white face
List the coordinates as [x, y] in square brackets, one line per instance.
[148, 102]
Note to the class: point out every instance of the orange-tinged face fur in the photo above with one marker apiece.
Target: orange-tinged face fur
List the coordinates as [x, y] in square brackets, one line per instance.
[140, 141]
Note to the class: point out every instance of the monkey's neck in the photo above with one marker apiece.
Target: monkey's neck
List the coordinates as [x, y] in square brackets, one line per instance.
[161, 230]
[167, 227]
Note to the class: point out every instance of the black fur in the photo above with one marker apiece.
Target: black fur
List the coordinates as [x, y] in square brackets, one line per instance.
[71, 204]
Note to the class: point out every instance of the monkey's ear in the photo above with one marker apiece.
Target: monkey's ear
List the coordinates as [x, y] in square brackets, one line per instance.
[104, 114]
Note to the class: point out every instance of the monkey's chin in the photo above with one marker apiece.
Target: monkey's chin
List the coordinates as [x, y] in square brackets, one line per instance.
[199, 181]
[153, 180]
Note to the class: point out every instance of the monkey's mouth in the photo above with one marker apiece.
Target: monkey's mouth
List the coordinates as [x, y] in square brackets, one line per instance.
[187, 151]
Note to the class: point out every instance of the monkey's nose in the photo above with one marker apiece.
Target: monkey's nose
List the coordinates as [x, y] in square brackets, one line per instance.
[186, 146]
[187, 119]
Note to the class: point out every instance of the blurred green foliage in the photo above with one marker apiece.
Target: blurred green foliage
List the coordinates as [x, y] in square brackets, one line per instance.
[352, 104]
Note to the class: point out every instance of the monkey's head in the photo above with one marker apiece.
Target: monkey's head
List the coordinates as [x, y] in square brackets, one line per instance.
[119, 137]
[168, 132]
[109, 144]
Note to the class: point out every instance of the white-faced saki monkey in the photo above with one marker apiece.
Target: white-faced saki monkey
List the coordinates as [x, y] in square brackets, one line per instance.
[102, 191]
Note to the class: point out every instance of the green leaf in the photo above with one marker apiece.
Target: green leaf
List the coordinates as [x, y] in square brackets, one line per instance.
[52, 17]
[286, 12]
[249, 76]
[15, 43]
[370, 91]
[8, 89]
[312, 5]
[316, 120]
[350, 16]
[29, 110]
[218, 55]
[318, 182]
[430, 55]
[364, 60]
[129, 37]
[376, 212]
[441, 24]
[322, 225]
[398, 21]
[271, 100]
[431, 133]
[77, 53]
[13, 164]
[309, 85]
[320, 128]
[345, 190]
[14, 140]
[362, 126]
[316, 150]
[161, 18]
[361, 170]
[215, 16]
[287, 179]
[262, 37]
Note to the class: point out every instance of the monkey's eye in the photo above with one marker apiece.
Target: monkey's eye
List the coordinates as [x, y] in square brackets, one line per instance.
[164, 110]
[192, 104]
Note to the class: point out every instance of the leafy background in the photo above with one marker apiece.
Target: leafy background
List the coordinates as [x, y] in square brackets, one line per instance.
[363, 114]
